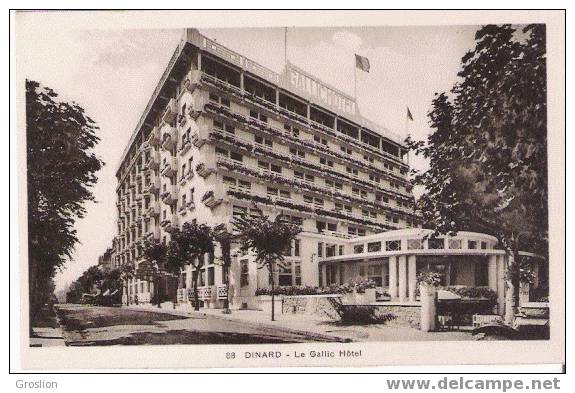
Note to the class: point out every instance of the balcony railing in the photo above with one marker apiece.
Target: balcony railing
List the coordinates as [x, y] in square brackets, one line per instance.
[170, 112]
[204, 170]
[186, 145]
[169, 138]
[170, 167]
[211, 200]
[154, 137]
[154, 186]
[170, 197]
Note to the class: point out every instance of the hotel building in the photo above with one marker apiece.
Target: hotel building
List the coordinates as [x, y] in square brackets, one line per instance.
[223, 135]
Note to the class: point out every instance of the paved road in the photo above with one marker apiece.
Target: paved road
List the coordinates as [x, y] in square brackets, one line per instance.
[90, 325]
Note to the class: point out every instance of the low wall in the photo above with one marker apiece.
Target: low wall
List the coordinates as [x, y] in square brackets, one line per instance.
[407, 314]
[323, 306]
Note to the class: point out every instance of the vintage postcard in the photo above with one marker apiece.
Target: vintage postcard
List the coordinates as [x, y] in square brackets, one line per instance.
[248, 189]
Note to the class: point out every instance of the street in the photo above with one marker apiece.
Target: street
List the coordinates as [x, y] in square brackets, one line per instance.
[85, 325]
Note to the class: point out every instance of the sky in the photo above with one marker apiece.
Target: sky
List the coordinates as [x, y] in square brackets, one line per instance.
[112, 74]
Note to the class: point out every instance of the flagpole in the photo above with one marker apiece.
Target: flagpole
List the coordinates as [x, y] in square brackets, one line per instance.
[285, 45]
[354, 79]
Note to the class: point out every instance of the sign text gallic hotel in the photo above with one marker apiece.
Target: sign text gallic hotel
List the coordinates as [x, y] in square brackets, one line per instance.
[298, 80]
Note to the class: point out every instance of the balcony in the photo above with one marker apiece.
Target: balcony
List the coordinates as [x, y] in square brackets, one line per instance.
[169, 138]
[169, 167]
[193, 80]
[154, 186]
[167, 225]
[189, 175]
[170, 112]
[196, 106]
[154, 137]
[211, 200]
[170, 197]
[186, 145]
[153, 210]
[153, 161]
[204, 170]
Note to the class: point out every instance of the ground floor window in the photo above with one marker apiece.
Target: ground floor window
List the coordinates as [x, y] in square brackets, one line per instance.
[244, 274]
[330, 274]
[290, 274]
[374, 273]
[211, 275]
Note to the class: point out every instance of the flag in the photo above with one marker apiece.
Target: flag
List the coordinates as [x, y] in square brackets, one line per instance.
[409, 115]
[362, 63]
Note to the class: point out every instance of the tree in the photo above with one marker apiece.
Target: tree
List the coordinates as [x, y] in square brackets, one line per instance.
[269, 240]
[189, 245]
[61, 170]
[224, 239]
[488, 150]
[155, 254]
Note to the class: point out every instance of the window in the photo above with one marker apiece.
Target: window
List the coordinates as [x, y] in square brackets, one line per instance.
[276, 168]
[436, 244]
[221, 152]
[472, 244]
[414, 244]
[285, 194]
[320, 226]
[245, 184]
[298, 175]
[285, 274]
[393, 245]
[317, 139]
[263, 165]
[244, 274]
[320, 249]
[483, 245]
[454, 244]
[297, 273]
[263, 141]
[309, 178]
[481, 274]
[330, 250]
[374, 273]
[296, 248]
[297, 152]
[330, 274]
[374, 246]
[211, 272]
[331, 227]
[236, 156]
[340, 250]
[324, 161]
[230, 181]
[272, 191]
[358, 249]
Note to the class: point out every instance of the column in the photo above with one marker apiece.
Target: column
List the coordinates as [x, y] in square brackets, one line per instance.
[393, 277]
[402, 279]
[492, 272]
[501, 284]
[412, 276]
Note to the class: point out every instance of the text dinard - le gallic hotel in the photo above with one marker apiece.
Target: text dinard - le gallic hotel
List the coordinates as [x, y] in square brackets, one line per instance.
[223, 135]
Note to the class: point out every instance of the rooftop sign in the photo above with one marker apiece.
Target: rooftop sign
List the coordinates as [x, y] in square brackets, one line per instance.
[296, 79]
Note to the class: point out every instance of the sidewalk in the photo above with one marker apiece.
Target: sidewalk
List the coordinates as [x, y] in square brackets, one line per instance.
[295, 324]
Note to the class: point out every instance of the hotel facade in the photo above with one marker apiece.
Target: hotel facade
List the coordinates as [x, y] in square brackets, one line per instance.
[223, 136]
